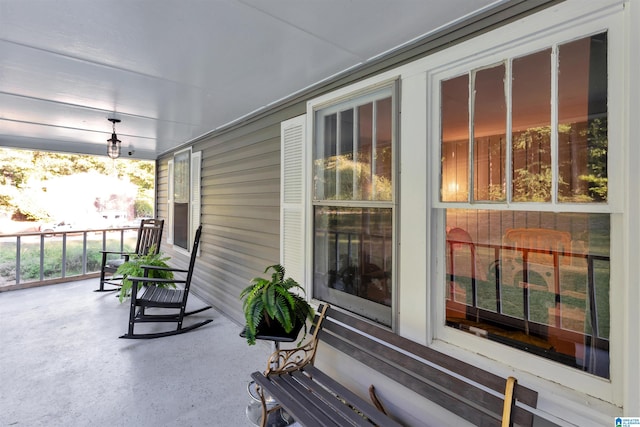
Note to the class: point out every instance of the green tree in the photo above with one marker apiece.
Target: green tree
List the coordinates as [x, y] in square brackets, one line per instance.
[24, 173]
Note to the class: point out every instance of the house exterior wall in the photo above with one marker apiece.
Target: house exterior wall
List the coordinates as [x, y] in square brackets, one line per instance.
[240, 197]
[240, 214]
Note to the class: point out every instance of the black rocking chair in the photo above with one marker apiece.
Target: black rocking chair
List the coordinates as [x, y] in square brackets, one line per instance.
[149, 236]
[163, 299]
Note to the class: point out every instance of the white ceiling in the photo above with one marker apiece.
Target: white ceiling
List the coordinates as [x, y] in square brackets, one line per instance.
[174, 70]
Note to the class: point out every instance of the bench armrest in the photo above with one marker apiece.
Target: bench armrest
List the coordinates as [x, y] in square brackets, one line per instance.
[282, 361]
[293, 359]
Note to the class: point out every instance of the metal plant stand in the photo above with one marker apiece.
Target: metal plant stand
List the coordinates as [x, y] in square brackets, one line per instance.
[278, 418]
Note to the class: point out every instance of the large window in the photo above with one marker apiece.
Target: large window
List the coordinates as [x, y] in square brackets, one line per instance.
[524, 181]
[353, 202]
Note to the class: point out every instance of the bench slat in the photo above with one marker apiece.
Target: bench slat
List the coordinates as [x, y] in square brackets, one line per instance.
[438, 395]
[289, 402]
[368, 409]
[317, 407]
[434, 376]
[344, 414]
[523, 394]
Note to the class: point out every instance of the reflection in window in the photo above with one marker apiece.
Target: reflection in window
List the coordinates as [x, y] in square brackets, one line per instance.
[582, 120]
[531, 128]
[354, 160]
[382, 166]
[364, 154]
[532, 280]
[480, 126]
[535, 280]
[489, 134]
[455, 139]
[353, 255]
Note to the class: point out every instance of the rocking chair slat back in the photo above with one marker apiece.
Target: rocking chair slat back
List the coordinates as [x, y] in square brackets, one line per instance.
[149, 236]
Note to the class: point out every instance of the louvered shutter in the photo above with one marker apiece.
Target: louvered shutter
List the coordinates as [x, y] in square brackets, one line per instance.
[292, 197]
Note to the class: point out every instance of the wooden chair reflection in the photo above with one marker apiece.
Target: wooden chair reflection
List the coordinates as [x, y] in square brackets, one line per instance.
[541, 245]
[459, 242]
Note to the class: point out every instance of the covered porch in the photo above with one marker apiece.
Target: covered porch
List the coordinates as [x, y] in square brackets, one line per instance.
[63, 364]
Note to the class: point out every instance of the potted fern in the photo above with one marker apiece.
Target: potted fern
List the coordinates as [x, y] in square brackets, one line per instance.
[133, 268]
[275, 307]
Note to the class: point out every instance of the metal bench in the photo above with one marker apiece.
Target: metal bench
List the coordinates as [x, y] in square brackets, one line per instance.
[314, 399]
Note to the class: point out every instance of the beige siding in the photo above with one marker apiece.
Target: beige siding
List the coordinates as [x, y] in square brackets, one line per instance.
[240, 209]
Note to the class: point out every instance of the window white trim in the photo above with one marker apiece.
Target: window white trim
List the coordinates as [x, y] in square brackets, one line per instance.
[631, 295]
[195, 195]
[414, 216]
[169, 226]
[631, 398]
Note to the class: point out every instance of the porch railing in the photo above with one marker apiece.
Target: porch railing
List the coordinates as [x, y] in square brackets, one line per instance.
[41, 258]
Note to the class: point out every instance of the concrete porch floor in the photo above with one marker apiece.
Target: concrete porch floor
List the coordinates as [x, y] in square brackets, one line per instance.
[62, 364]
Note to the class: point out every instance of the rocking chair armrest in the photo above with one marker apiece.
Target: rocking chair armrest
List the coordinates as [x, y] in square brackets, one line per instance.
[117, 252]
[154, 280]
[157, 267]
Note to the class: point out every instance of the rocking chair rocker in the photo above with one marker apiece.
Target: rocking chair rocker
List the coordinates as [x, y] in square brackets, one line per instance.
[163, 299]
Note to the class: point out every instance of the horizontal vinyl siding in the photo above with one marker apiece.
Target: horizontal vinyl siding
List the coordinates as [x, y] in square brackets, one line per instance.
[240, 209]
[240, 180]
